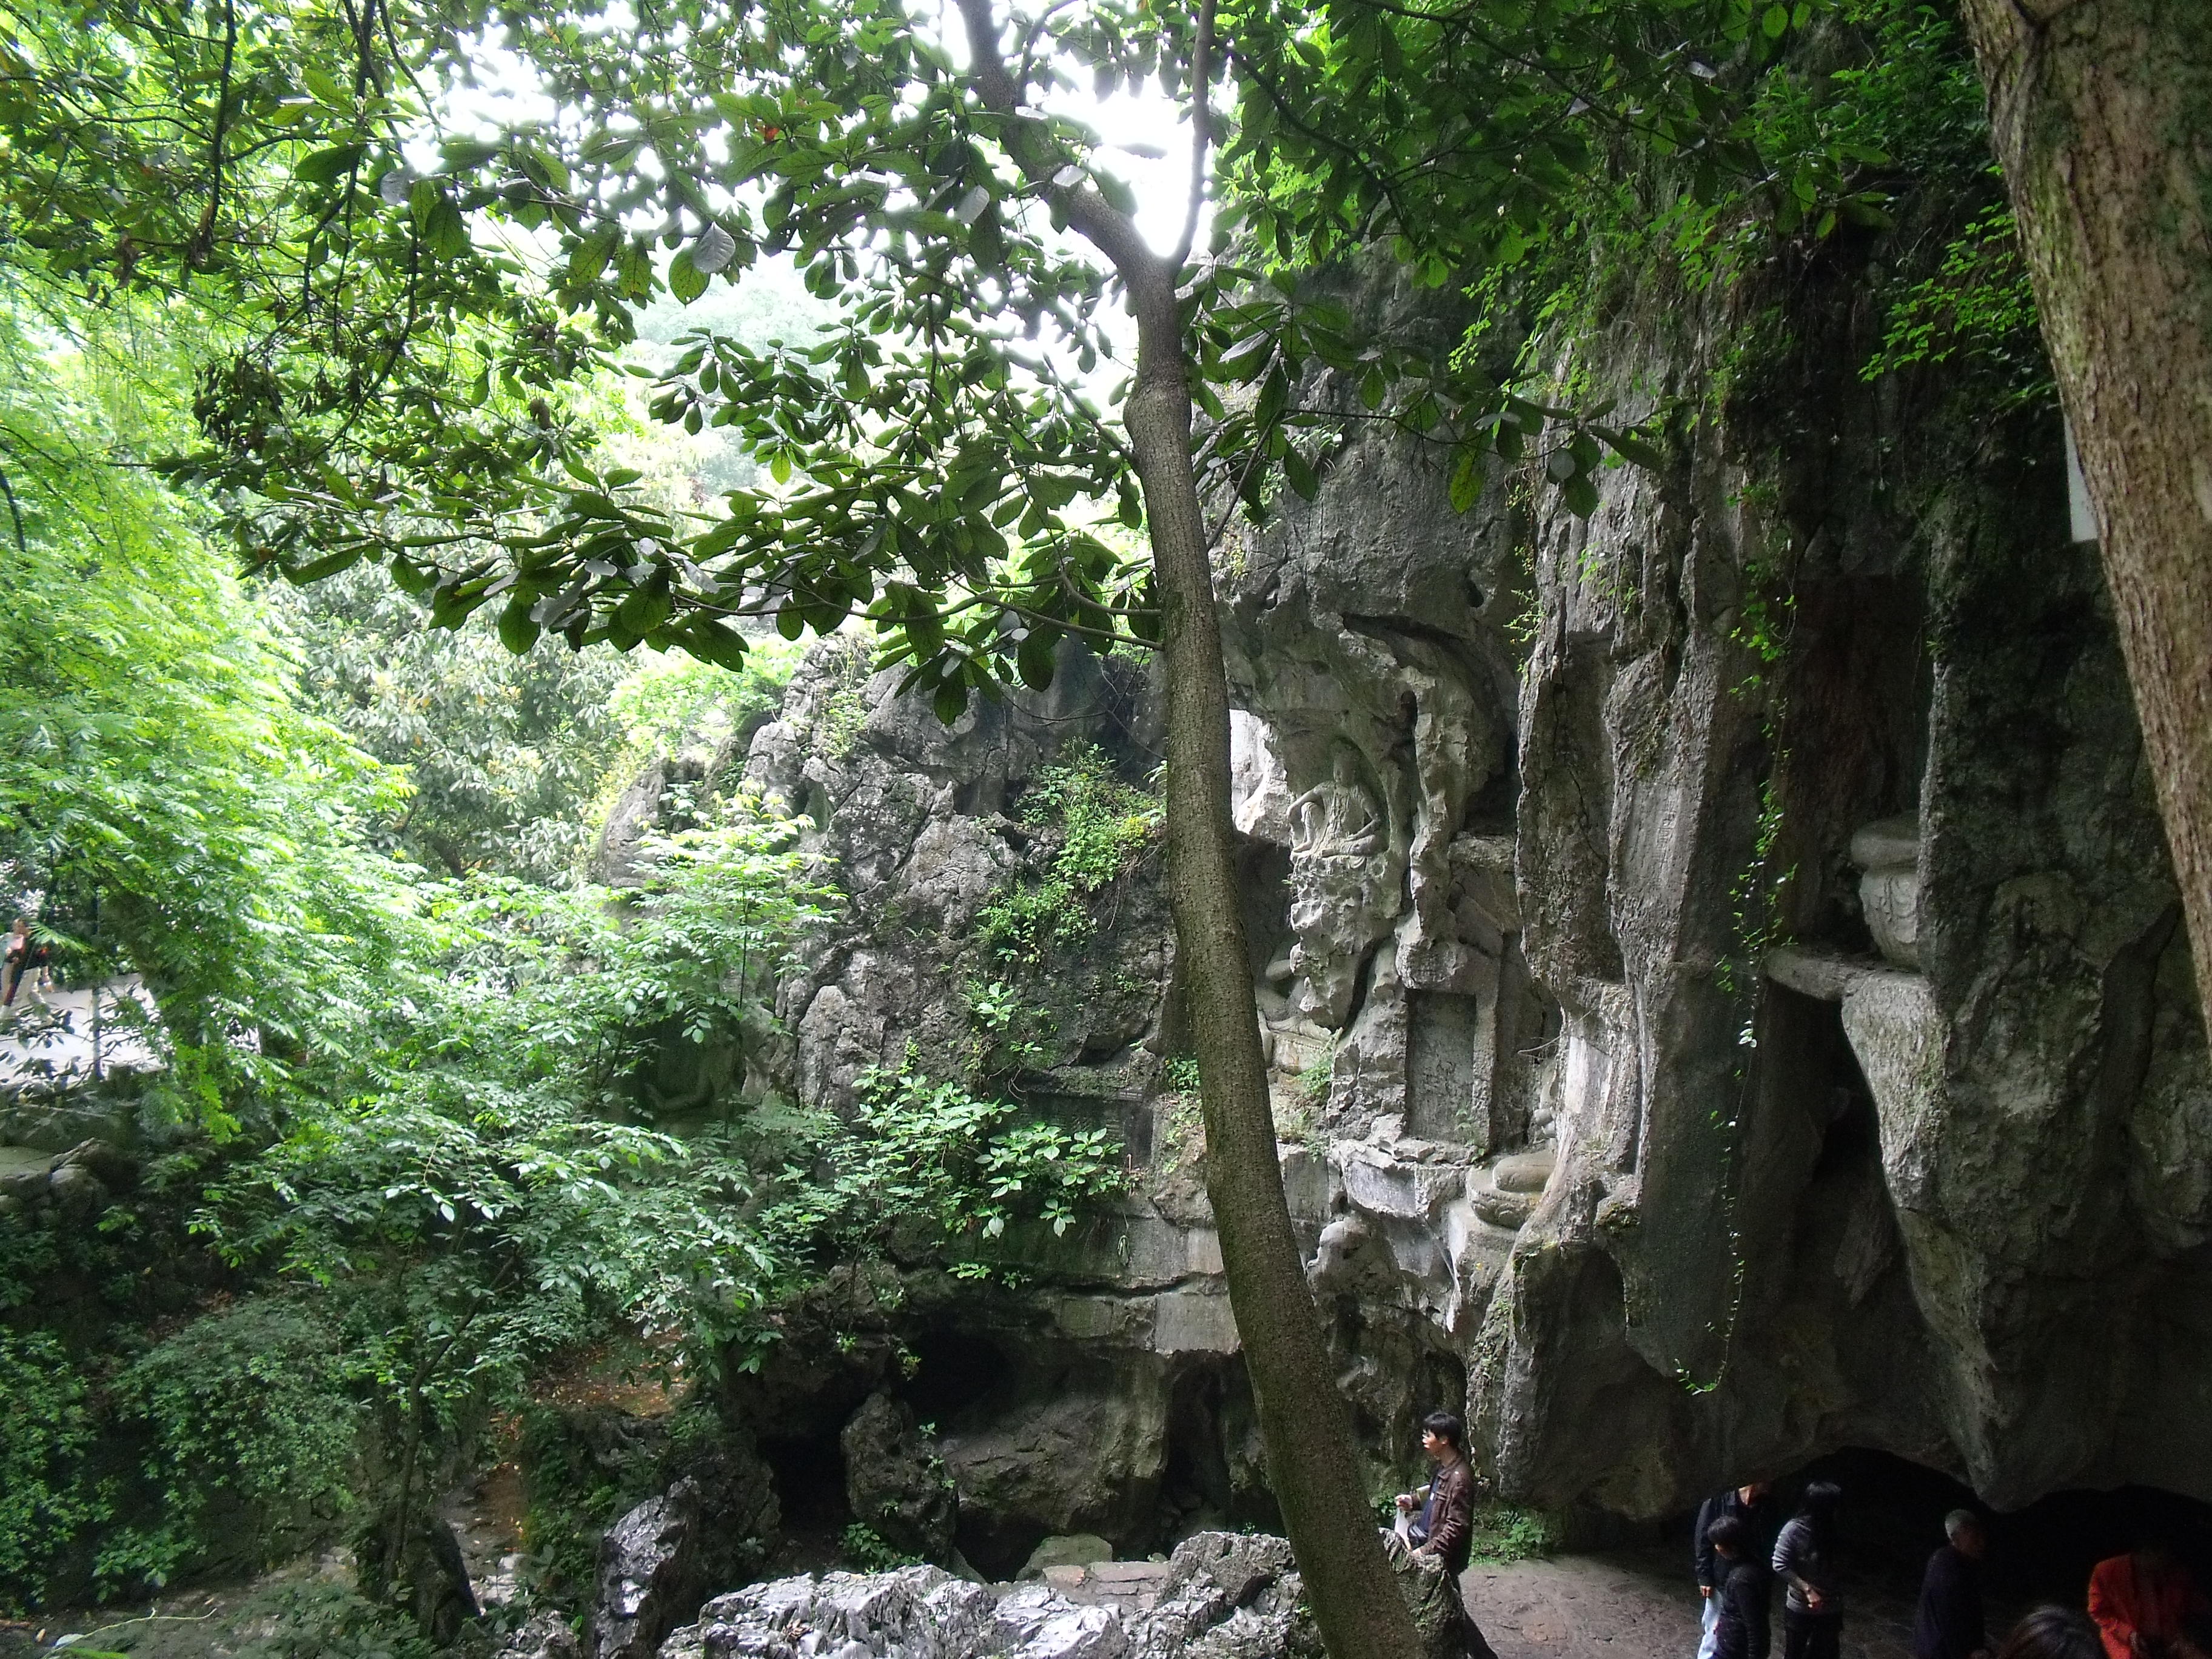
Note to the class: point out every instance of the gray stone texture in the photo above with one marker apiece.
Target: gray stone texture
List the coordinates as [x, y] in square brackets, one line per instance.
[1718, 962]
[1220, 1596]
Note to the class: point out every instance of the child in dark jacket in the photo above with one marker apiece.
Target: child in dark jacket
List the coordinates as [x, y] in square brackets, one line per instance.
[1740, 1630]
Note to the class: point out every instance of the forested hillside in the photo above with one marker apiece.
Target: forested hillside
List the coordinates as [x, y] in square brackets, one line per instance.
[765, 791]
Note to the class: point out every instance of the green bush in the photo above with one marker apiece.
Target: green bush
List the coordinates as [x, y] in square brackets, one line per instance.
[250, 1433]
[46, 1430]
[1503, 1533]
[866, 1551]
[1098, 826]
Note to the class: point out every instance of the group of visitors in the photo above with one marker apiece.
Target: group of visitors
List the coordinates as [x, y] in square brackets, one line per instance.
[1743, 1546]
[2142, 1605]
[23, 957]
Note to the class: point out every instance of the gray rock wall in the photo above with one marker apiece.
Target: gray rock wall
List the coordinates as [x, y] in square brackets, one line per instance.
[1718, 961]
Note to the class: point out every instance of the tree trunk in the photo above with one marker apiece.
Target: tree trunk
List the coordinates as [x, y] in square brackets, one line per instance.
[1302, 1417]
[2101, 115]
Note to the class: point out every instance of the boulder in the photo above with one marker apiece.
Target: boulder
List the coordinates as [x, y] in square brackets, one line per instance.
[542, 1635]
[896, 1482]
[115, 1169]
[77, 1191]
[427, 1574]
[649, 1576]
[1080, 1550]
[1226, 1596]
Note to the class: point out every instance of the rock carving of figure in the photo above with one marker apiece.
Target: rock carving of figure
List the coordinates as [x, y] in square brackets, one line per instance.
[1337, 818]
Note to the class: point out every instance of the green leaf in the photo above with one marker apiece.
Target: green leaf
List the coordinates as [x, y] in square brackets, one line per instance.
[460, 154]
[685, 280]
[322, 166]
[1034, 660]
[445, 233]
[591, 255]
[1467, 481]
[518, 631]
[1775, 21]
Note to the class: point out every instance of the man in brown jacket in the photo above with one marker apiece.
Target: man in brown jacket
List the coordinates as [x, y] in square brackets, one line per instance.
[1442, 1539]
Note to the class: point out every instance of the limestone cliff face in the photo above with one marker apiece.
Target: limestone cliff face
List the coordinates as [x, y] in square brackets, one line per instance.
[1719, 960]
[1841, 974]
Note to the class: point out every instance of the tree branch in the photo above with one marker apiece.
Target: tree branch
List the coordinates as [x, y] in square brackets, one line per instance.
[1201, 131]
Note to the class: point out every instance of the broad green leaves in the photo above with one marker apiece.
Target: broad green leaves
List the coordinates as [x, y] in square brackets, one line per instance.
[396, 384]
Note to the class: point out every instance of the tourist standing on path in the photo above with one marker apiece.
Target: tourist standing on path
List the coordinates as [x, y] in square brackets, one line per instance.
[2139, 1600]
[1739, 1600]
[1445, 1534]
[16, 961]
[1950, 1623]
[1805, 1561]
[1754, 1504]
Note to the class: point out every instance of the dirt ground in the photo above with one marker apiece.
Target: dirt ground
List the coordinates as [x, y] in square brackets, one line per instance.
[1641, 1601]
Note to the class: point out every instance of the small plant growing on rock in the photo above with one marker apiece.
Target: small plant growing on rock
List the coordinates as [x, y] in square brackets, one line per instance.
[866, 1551]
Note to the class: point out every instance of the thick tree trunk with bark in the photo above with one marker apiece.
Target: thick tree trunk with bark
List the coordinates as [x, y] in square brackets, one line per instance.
[2102, 113]
[1303, 1419]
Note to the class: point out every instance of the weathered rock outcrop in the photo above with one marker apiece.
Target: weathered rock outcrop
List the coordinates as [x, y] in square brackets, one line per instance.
[1719, 963]
[1221, 1596]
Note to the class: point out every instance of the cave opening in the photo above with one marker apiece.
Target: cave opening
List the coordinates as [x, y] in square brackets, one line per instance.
[810, 1483]
[1195, 1486]
[1893, 1519]
[953, 1371]
[1209, 1403]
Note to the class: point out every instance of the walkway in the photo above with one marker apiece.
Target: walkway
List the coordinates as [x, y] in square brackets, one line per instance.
[48, 1034]
[1637, 1602]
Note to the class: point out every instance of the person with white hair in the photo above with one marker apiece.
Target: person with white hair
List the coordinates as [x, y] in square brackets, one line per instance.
[1949, 1623]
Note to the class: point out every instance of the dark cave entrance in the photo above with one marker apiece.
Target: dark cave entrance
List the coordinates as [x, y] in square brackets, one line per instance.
[1207, 1403]
[953, 1370]
[1893, 1520]
[810, 1484]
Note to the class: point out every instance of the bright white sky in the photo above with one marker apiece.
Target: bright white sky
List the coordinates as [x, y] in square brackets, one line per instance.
[507, 92]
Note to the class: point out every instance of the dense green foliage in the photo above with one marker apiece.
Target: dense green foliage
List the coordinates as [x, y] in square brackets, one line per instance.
[426, 1152]
[505, 755]
[1098, 826]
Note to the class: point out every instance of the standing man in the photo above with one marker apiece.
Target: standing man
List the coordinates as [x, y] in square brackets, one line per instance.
[1753, 1505]
[1740, 1630]
[16, 961]
[1443, 1540]
[1949, 1625]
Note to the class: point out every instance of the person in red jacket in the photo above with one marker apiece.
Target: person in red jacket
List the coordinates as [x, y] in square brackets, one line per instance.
[2140, 1599]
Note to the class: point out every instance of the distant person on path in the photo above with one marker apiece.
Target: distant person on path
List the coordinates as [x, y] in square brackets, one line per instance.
[1805, 1561]
[1753, 1503]
[1431, 1553]
[1739, 1599]
[1949, 1623]
[2053, 1633]
[2139, 1601]
[17, 961]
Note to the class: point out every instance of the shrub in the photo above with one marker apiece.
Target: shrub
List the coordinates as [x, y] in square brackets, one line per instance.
[251, 1434]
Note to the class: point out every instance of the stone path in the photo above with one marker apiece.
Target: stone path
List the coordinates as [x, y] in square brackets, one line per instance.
[1638, 1601]
[47, 1035]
